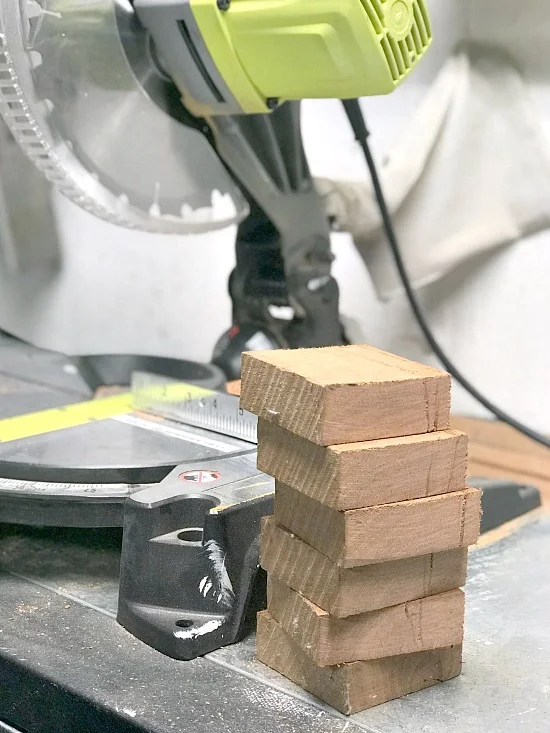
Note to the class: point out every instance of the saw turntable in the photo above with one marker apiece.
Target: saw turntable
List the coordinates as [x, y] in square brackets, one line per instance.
[173, 463]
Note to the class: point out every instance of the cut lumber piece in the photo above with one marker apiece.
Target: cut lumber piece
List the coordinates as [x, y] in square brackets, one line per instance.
[345, 394]
[495, 434]
[514, 457]
[234, 388]
[510, 461]
[357, 686]
[427, 623]
[381, 533]
[358, 475]
[348, 591]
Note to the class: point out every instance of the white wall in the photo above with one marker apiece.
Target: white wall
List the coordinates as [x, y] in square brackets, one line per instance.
[121, 291]
[494, 316]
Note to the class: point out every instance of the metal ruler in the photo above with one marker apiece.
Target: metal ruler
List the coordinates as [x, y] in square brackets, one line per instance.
[191, 405]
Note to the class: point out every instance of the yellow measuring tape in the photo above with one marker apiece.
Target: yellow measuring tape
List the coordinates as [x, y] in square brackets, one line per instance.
[60, 418]
[71, 416]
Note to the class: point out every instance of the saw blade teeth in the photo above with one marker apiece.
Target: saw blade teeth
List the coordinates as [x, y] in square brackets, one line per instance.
[223, 206]
[35, 58]
[60, 62]
[197, 216]
[34, 18]
[122, 203]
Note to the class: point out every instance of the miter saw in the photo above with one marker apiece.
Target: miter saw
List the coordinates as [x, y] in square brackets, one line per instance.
[182, 116]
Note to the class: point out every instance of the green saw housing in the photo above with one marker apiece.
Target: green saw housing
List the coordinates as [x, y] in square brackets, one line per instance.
[298, 49]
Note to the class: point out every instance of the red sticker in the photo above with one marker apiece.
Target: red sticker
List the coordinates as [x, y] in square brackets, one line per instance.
[200, 477]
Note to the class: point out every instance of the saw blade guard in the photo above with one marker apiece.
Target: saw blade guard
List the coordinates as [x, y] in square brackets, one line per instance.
[84, 96]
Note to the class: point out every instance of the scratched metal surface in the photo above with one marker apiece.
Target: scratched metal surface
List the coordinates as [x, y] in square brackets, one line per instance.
[58, 600]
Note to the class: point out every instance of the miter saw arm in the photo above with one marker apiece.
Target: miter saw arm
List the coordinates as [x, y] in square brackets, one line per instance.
[236, 56]
[88, 90]
[282, 290]
[177, 116]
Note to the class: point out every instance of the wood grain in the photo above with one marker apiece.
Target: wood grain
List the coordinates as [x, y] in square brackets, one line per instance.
[381, 533]
[365, 474]
[427, 623]
[517, 463]
[350, 688]
[498, 451]
[495, 434]
[348, 591]
[345, 394]
[234, 388]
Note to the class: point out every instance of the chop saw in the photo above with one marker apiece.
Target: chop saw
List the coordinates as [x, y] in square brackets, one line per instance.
[183, 116]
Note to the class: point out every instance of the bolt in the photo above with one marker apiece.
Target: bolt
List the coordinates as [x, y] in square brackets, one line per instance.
[223, 4]
[272, 102]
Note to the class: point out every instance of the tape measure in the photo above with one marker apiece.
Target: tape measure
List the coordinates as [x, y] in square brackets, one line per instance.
[190, 405]
[61, 418]
[75, 465]
[158, 396]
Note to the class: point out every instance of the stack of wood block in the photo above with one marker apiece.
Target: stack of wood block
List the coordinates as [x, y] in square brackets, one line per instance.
[367, 548]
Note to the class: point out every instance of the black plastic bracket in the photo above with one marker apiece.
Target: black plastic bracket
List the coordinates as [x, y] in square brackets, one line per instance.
[504, 500]
[190, 576]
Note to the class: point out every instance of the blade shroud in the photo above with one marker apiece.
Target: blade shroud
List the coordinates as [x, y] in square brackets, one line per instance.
[84, 95]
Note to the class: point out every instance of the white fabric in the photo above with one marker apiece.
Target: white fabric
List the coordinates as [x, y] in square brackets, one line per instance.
[470, 174]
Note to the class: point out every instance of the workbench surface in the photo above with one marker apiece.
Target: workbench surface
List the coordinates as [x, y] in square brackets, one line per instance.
[66, 665]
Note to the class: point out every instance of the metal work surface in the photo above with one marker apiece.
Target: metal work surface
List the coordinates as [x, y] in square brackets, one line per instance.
[79, 476]
[65, 662]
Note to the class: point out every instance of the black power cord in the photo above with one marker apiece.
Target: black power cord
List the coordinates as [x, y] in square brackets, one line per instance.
[358, 124]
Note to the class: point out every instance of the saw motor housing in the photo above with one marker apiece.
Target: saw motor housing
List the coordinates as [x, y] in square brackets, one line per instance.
[247, 56]
[92, 92]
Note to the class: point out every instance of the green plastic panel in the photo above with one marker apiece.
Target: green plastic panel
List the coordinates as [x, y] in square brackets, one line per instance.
[296, 49]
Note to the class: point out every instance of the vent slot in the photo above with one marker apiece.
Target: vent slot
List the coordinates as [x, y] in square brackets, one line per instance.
[396, 51]
[377, 5]
[421, 25]
[425, 16]
[390, 58]
[373, 17]
[415, 35]
[403, 47]
[184, 30]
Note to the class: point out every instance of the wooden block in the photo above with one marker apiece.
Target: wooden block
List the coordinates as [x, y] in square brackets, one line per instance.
[348, 591]
[499, 451]
[381, 533]
[364, 474]
[234, 388]
[427, 623]
[357, 686]
[345, 394]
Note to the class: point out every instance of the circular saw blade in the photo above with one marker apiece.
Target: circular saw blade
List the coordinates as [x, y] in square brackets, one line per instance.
[84, 97]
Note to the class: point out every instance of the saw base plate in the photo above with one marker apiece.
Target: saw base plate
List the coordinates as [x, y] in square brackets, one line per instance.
[80, 476]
